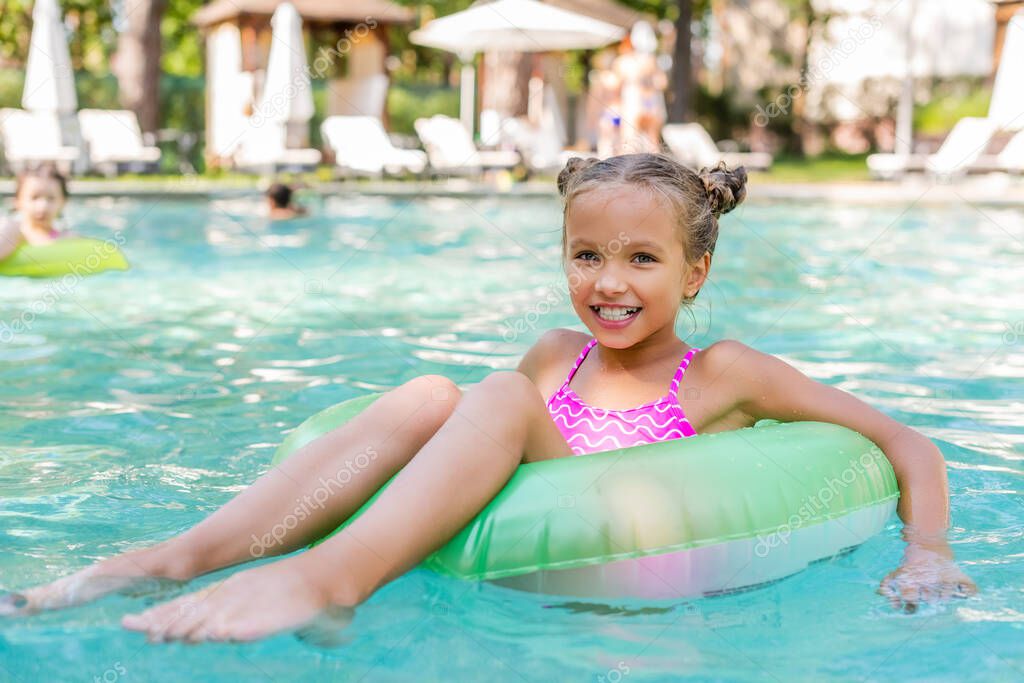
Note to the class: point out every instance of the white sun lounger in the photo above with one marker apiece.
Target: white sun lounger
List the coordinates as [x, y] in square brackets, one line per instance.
[692, 146]
[889, 166]
[362, 146]
[113, 138]
[1009, 160]
[540, 147]
[263, 148]
[964, 146]
[33, 138]
[450, 148]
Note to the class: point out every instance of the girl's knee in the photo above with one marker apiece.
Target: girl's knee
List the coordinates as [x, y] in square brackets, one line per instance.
[434, 390]
[509, 384]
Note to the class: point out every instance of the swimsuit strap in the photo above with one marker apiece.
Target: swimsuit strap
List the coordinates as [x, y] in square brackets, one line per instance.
[579, 360]
[673, 389]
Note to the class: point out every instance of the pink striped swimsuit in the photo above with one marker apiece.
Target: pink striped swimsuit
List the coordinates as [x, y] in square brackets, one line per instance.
[588, 429]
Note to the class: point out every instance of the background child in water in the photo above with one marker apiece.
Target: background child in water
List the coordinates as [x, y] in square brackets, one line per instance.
[663, 222]
[39, 198]
[279, 203]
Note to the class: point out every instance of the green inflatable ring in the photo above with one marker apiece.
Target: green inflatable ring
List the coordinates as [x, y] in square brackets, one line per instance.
[67, 256]
[698, 516]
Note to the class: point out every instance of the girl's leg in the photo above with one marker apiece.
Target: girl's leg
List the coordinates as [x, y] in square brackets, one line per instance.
[495, 426]
[288, 507]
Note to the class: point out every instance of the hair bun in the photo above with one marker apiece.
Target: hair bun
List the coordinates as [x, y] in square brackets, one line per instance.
[725, 188]
[573, 167]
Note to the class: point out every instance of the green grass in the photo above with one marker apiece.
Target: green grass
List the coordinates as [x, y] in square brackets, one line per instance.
[939, 115]
[828, 168]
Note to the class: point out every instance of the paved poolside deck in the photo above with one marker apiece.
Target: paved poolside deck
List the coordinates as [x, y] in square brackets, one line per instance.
[991, 190]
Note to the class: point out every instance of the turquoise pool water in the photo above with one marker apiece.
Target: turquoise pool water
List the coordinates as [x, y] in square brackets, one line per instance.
[134, 404]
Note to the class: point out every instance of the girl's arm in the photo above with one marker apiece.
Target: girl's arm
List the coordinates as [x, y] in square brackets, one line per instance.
[768, 388]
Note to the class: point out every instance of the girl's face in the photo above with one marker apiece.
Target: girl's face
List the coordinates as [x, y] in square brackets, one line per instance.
[626, 265]
[40, 200]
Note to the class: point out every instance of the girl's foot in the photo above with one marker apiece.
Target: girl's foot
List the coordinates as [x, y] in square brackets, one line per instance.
[123, 572]
[250, 605]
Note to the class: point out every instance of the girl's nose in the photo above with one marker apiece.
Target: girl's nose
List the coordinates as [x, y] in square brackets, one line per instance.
[607, 282]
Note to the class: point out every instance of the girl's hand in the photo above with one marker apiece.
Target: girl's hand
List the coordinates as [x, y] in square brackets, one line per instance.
[10, 236]
[926, 574]
[765, 387]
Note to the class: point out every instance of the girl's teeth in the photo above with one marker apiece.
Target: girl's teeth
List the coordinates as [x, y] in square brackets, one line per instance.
[614, 314]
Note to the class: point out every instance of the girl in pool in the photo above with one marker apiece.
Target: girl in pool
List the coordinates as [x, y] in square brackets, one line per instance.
[638, 235]
[39, 197]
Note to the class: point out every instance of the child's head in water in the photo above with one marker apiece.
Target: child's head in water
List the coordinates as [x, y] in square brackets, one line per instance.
[39, 196]
[638, 234]
[280, 195]
[279, 202]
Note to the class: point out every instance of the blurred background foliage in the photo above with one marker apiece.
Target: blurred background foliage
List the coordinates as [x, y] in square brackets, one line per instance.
[424, 81]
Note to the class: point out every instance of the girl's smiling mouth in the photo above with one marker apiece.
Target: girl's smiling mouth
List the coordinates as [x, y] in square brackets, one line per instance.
[616, 314]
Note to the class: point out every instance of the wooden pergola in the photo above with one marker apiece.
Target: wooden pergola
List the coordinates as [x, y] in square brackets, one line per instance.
[346, 42]
[1005, 9]
[321, 18]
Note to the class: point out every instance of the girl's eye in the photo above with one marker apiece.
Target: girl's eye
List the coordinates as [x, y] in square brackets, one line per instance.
[586, 255]
[650, 259]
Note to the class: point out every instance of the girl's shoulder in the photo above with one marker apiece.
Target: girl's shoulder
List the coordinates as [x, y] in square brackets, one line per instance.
[724, 351]
[724, 375]
[732, 360]
[548, 361]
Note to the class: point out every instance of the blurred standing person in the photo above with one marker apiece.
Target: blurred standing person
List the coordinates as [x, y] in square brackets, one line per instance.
[604, 105]
[643, 91]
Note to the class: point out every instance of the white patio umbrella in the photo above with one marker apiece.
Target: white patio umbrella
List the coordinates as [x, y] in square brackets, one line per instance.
[905, 39]
[287, 96]
[230, 91]
[514, 26]
[49, 78]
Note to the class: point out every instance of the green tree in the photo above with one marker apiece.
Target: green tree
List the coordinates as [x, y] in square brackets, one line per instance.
[92, 35]
[680, 84]
[804, 130]
[682, 14]
[183, 46]
[156, 37]
[137, 63]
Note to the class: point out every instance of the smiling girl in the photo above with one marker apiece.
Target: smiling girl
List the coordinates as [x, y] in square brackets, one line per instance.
[639, 232]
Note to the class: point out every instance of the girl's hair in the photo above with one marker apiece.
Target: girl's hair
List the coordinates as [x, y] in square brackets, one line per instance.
[696, 199]
[43, 172]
